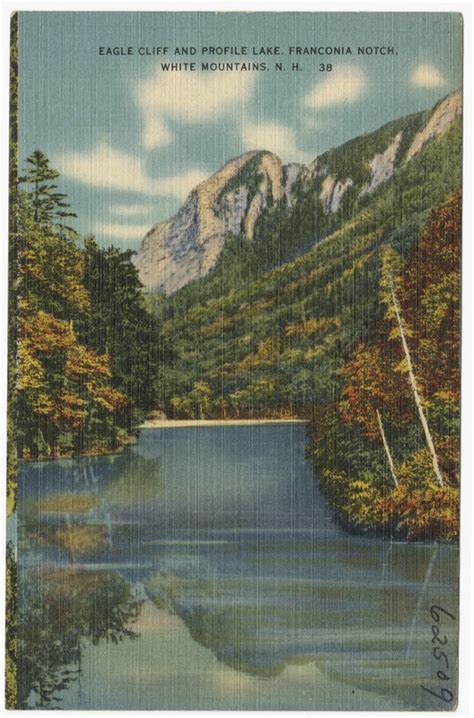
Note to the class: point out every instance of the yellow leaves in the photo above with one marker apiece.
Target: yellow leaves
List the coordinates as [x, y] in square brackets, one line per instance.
[73, 410]
[73, 400]
[49, 263]
[310, 326]
[360, 486]
[35, 261]
[260, 391]
[268, 351]
[69, 268]
[314, 353]
[257, 308]
[30, 373]
[357, 265]
[83, 362]
[363, 504]
[417, 470]
[42, 332]
[300, 284]
[221, 324]
[44, 404]
[293, 356]
[390, 283]
[105, 396]
[357, 498]
[181, 406]
[429, 512]
[402, 366]
[47, 341]
[438, 299]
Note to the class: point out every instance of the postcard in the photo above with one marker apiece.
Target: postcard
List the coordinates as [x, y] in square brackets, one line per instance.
[234, 360]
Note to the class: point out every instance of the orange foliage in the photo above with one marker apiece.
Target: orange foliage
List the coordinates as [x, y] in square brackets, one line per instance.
[431, 299]
[426, 513]
[82, 361]
[268, 351]
[311, 326]
[42, 332]
[371, 384]
[107, 397]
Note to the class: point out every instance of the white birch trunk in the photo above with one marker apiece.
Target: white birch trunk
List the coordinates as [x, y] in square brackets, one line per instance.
[414, 386]
[387, 449]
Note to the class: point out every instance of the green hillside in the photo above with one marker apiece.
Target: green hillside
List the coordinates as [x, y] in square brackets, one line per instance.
[268, 342]
[282, 232]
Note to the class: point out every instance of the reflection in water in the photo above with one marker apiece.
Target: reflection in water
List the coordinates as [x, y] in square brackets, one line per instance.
[58, 608]
[328, 600]
[136, 480]
[61, 605]
[224, 528]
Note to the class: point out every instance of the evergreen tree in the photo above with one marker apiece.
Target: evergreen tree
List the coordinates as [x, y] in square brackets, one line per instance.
[49, 206]
[67, 402]
[120, 325]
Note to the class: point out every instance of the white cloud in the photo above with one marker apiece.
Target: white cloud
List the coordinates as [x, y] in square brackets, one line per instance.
[107, 167]
[129, 210]
[311, 123]
[180, 185]
[194, 97]
[121, 231]
[114, 169]
[274, 137]
[155, 133]
[188, 97]
[427, 76]
[344, 84]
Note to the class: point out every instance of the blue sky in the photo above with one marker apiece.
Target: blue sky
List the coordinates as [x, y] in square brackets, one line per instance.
[131, 140]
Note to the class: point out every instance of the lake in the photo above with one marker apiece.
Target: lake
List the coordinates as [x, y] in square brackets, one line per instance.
[202, 569]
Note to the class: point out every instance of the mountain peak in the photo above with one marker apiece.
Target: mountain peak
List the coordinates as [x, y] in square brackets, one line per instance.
[444, 114]
[230, 202]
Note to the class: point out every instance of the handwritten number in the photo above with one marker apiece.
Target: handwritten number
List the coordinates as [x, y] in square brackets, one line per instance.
[441, 655]
[444, 694]
[435, 611]
[436, 638]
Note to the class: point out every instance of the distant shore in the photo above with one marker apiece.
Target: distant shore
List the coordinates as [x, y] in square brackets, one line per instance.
[184, 423]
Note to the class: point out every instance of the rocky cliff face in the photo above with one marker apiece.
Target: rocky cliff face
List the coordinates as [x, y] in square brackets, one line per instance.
[443, 116]
[231, 201]
[332, 192]
[382, 166]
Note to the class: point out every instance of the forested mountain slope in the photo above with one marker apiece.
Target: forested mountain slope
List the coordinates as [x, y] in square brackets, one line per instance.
[267, 341]
[276, 210]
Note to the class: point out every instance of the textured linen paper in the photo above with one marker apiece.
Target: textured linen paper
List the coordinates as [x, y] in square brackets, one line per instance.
[234, 360]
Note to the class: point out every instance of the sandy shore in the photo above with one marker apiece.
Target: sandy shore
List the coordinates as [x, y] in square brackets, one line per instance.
[184, 423]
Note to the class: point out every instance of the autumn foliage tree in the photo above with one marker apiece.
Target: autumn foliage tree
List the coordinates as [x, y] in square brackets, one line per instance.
[400, 394]
[66, 402]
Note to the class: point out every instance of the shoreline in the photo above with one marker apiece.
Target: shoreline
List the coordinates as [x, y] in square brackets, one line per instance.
[186, 423]
[161, 424]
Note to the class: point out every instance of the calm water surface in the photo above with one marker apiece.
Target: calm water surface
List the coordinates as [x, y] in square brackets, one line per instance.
[202, 569]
